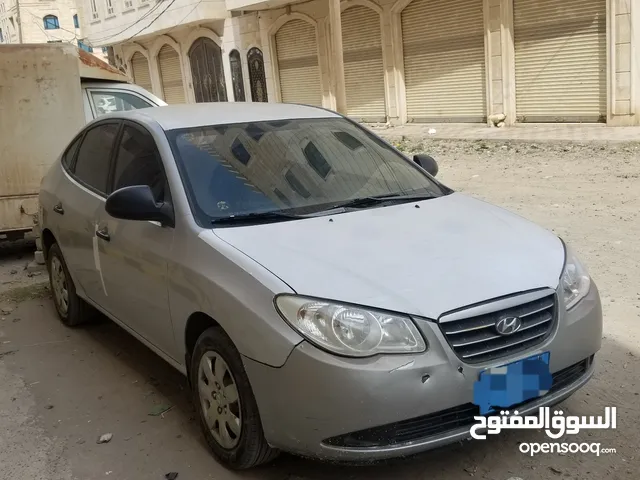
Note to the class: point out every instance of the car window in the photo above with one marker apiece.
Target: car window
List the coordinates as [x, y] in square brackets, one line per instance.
[67, 158]
[92, 165]
[114, 101]
[301, 164]
[138, 162]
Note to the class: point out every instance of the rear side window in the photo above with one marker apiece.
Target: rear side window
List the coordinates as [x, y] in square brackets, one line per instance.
[138, 163]
[67, 158]
[115, 101]
[92, 165]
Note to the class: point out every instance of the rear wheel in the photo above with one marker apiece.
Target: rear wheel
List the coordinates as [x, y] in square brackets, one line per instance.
[227, 409]
[71, 309]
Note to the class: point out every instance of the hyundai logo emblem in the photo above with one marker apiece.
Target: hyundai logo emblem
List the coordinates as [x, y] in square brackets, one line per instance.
[508, 325]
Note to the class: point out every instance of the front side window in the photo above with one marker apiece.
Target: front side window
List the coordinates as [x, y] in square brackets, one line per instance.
[138, 162]
[113, 101]
[51, 22]
[92, 164]
[300, 166]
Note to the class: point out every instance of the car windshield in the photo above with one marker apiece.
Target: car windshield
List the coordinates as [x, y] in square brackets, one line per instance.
[301, 166]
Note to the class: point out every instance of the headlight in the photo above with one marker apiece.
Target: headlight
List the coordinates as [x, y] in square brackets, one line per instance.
[575, 279]
[348, 330]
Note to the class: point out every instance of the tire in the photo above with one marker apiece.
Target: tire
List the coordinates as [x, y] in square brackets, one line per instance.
[247, 448]
[74, 311]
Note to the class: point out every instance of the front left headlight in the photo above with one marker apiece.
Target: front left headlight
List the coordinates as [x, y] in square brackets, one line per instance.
[575, 280]
[349, 330]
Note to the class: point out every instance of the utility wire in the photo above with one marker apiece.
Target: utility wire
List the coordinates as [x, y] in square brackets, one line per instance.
[147, 13]
[150, 23]
[182, 20]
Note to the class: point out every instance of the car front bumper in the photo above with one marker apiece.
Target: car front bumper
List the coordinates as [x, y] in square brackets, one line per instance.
[322, 405]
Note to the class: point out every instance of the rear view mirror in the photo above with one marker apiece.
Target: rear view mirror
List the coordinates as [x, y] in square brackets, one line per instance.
[137, 203]
[427, 162]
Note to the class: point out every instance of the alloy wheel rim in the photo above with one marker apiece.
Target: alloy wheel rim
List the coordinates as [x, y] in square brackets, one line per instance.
[219, 399]
[59, 284]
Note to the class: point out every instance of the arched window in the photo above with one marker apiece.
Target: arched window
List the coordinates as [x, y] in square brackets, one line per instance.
[206, 69]
[51, 22]
[76, 23]
[257, 76]
[236, 76]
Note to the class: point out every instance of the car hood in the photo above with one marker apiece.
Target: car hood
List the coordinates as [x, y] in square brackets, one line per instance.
[423, 258]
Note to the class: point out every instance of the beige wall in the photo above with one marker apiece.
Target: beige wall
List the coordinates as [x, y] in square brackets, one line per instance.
[259, 28]
[25, 161]
[134, 19]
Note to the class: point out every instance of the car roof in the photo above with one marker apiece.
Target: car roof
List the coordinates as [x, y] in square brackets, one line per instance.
[172, 117]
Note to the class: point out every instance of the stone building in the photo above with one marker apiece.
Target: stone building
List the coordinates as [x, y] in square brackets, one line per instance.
[391, 61]
[44, 21]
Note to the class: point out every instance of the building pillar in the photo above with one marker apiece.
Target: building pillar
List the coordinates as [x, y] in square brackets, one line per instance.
[154, 72]
[624, 75]
[337, 82]
[500, 61]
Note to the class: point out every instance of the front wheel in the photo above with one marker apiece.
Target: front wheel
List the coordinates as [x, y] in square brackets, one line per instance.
[227, 409]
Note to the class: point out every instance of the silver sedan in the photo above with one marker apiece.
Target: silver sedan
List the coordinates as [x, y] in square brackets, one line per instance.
[324, 294]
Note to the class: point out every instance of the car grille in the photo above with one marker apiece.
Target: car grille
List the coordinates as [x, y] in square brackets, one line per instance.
[442, 422]
[476, 340]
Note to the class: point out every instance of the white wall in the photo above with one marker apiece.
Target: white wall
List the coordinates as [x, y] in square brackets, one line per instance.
[140, 20]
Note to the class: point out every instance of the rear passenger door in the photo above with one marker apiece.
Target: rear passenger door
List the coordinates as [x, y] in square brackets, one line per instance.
[79, 205]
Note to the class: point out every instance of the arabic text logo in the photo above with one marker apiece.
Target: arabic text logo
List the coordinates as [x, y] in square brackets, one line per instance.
[556, 425]
[508, 325]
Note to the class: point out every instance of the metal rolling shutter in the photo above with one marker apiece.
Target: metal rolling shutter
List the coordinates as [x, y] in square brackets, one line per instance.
[444, 60]
[561, 60]
[171, 75]
[363, 68]
[140, 67]
[298, 63]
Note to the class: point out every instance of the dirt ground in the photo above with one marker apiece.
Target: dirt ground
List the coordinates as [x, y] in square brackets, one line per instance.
[62, 388]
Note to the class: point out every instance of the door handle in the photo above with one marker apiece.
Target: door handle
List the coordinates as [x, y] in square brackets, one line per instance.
[58, 208]
[103, 233]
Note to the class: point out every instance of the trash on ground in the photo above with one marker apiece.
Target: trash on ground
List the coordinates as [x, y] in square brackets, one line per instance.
[158, 410]
[106, 438]
[171, 475]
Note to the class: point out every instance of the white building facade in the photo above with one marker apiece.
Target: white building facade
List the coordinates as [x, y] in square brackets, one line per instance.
[391, 61]
[43, 21]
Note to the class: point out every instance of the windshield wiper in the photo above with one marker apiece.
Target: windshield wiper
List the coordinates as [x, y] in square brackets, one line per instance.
[388, 198]
[256, 216]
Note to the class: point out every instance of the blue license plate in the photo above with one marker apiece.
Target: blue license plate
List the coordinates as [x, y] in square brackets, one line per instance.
[507, 385]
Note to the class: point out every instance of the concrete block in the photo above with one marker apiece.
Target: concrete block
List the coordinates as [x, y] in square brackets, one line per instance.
[623, 29]
[38, 258]
[494, 39]
[623, 57]
[623, 6]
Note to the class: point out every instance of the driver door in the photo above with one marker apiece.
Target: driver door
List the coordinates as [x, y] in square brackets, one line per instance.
[135, 254]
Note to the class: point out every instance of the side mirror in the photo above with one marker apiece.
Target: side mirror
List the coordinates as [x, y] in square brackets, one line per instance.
[427, 162]
[137, 203]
